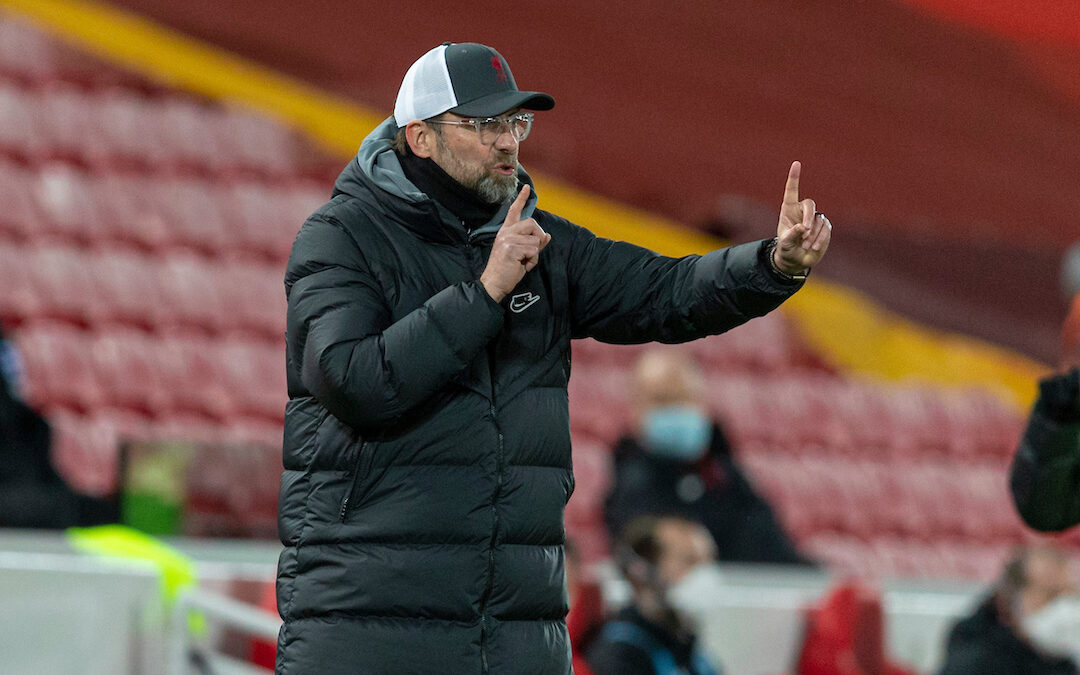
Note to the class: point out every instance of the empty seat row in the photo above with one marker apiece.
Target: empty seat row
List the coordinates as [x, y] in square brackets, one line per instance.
[132, 370]
[891, 557]
[123, 127]
[241, 218]
[86, 448]
[809, 412]
[766, 344]
[102, 287]
[839, 416]
[925, 500]
[31, 55]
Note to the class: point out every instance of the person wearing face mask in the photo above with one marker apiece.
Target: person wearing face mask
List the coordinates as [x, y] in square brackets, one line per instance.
[679, 463]
[1029, 624]
[669, 564]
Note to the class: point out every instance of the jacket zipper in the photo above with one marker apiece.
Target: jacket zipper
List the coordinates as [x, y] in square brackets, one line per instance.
[494, 535]
[470, 252]
[353, 483]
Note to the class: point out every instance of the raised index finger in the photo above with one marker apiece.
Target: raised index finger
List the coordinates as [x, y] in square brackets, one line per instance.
[791, 192]
[514, 214]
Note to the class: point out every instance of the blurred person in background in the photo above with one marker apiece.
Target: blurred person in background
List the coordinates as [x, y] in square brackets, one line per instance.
[431, 306]
[1045, 473]
[669, 563]
[678, 462]
[1028, 625]
[32, 493]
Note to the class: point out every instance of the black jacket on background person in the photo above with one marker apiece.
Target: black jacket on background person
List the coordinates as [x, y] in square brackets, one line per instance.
[1045, 474]
[712, 491]
[630, 644]
[981, 644]
[427, 437]
[32, 494]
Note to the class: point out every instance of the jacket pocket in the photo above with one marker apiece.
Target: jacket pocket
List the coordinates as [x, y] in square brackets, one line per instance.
[358, 475]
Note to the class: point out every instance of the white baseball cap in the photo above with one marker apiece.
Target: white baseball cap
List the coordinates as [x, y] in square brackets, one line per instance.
[465, 78]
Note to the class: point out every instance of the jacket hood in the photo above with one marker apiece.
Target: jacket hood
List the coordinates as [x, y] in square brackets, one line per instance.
[376, 171]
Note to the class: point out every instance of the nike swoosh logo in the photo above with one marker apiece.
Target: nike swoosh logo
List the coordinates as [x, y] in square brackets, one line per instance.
[522, 301]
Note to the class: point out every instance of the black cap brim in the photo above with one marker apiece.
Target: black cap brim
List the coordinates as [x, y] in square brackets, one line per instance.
[500, 102]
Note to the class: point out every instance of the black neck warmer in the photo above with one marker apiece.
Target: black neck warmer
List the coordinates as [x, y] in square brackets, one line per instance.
[440, 186]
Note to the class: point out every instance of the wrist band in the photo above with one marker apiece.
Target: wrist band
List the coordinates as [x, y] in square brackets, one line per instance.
[769, 250]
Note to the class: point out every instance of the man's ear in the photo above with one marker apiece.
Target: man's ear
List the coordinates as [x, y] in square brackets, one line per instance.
[421, 138]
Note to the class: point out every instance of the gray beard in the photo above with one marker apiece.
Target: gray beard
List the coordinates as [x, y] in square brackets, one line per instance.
[497, 189]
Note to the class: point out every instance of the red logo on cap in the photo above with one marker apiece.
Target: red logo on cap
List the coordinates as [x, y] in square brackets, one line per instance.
[500, 74]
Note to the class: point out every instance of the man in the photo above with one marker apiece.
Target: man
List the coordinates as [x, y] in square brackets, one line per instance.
[1029, 625]
[664, 560]
[427, 445]
[1045, 474]
[679, 463]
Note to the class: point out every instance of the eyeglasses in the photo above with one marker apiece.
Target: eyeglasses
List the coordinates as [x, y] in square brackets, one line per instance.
[490, 128]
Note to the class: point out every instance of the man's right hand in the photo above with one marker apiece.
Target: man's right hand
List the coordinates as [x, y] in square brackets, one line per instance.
[516, 250]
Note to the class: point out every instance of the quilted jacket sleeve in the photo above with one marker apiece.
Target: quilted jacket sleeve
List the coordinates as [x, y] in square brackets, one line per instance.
[623, 293]
[345, 350]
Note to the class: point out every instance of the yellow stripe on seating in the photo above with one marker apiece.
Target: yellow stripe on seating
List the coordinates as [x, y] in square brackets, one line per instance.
[859, 336]
[845, 327]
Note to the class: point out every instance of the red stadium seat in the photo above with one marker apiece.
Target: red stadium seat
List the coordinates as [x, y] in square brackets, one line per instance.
[125, 362]
[21, 298]
[130, 212]
[190, 132]
[128, 287]
[86, 451]
[69, 123]
[20, 218]
[253, 373]
[254, 298]
[263, 433]
[25, 50]
[20, 130]
[64, 282]
[187, 364]
[58, 366]
[129, 128]
[255, 141]
[195, 220]
[192, 297]
[65, 199]
[187, 427]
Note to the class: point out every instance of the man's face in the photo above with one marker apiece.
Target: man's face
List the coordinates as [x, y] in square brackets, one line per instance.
[684, 546]
[490, 170]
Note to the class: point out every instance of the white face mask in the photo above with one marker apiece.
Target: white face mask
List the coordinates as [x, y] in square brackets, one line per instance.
[696, 593]
[1055, 629]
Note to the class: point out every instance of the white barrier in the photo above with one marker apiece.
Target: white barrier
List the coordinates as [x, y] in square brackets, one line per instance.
[62, 612]
[754, 625]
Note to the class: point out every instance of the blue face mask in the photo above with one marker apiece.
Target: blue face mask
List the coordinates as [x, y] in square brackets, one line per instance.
[677, 432]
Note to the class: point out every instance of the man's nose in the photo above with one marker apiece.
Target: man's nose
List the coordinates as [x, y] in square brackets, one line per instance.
[506, 139]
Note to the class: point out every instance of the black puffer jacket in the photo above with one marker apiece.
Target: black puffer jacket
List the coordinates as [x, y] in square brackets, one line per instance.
[427, 437]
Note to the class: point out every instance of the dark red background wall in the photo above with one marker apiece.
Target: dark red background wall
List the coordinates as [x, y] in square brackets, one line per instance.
[943, 144]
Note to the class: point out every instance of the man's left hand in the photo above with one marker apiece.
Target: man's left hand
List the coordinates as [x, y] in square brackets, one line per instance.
[803, 233]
